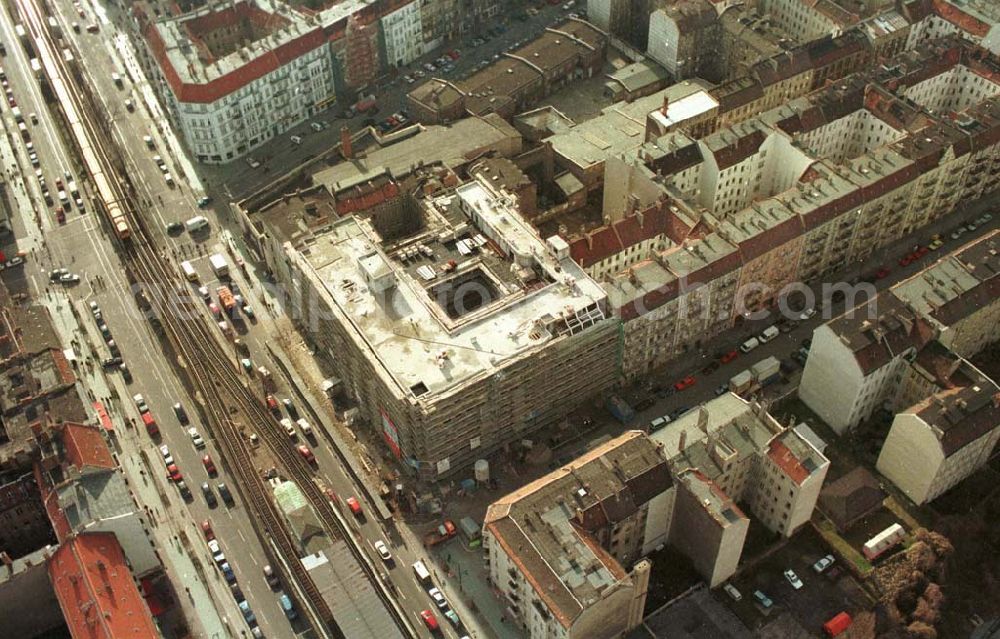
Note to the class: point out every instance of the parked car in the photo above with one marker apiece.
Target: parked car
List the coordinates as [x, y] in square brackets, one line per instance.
[196, 438]
[687, 382]
[206, 529]
[793, 578]
[306, 453]
[209, 466]
[823, 563]
[271, 577]
[733, 593]
[354, 505]
[762, 599]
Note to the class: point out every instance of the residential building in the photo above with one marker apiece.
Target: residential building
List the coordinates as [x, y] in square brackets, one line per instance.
[490, 323]
[888, 352]
[679, 34]
[95, 588]
[729, 451]
[85, 492]
[564, 550]
[625, 20]
[234, 76]
[937, 443]
[403, 34]
[798, 191]
[571, 50]
[855, 361]
[28, 604]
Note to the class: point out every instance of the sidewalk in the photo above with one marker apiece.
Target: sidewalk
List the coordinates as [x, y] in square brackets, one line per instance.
[164, 513]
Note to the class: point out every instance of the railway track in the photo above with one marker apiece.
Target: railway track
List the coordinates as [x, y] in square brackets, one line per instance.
[229, 405]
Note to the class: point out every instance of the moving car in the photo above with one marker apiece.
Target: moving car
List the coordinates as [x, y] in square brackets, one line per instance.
[210, 499]
[180, 413]
[306, 453]
[429, 620]
[354, 505]
[383, 550]
[271, 577]
[196, 438]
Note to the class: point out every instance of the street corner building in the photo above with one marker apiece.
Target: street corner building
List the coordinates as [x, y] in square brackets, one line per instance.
[566, 550]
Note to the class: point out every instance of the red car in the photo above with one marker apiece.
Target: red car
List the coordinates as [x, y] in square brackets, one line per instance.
[206, 529]
[60, 216]
[921, 251]
[905, 260]
[453, 54]
[429, 620]
[306, 453]
[881, 273]
[687, 382]
[353, 504]
[272, 403]
[174, 473]
[728, 357]
[209, 465]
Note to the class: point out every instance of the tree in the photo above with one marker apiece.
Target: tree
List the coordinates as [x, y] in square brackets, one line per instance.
[920, 630]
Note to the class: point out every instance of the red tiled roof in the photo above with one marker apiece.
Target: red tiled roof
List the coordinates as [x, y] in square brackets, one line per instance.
[224, 85]
[96, 592]
[962, 20]
[85, 447]
[368, 199]
[785, 459]
[775, 237]
[595, 246]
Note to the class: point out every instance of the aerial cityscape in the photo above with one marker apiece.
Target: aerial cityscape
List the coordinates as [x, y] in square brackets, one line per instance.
[504, 319]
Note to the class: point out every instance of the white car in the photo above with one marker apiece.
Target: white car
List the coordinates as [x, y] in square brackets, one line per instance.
[793, 579]
[806, 314]
[296, 139]
[217, 553]
[823, 563]
[733, 593]
[438, 598]
[140, 403]
[383, 550]
[196, 439]
[167, 457]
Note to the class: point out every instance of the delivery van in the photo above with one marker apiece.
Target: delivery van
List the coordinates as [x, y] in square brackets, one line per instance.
[189, 273]
[196, 224]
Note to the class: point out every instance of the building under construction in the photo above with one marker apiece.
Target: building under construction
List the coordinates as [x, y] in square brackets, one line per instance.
[459, 338]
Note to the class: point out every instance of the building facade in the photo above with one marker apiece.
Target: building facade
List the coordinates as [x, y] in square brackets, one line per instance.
[402, 31]
[564, 550]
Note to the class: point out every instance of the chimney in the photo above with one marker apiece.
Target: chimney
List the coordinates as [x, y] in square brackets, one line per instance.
[666, 103]
[996, 400]
[345, 143]
[703, 419]
[682, 442]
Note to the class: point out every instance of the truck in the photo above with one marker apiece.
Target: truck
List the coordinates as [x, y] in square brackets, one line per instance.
[226, 299]
[742, 382]
[219, 265]
[441, 534]
[766, 371]
[837, 624]
[36, 68]
[620, 409]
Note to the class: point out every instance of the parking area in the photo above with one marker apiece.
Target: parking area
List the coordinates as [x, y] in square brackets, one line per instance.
[820, 597]
[698, 615]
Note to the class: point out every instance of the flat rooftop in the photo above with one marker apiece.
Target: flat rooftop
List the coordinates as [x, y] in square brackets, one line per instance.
[622, 126]
[452, 145]
[452, 311]
[543, 526]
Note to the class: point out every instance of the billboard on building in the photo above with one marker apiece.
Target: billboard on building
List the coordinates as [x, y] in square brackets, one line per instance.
[390, 434]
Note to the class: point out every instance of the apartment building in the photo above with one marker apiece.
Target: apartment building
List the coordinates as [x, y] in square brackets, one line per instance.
[458, 338]
[872, 358]
[975, 20]
[565, 550]
[678, 37]
[626, 20]
[938, 442]
[402, 32]
[232, 77]
[798, 191]
[572, 50]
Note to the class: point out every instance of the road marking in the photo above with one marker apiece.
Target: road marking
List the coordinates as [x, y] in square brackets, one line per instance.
[240, 531]
[252, 558]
